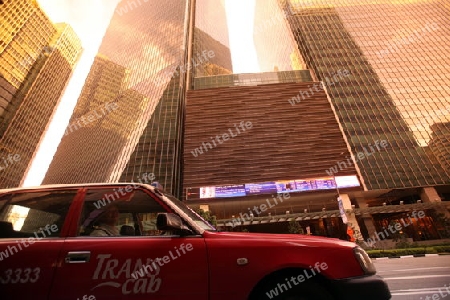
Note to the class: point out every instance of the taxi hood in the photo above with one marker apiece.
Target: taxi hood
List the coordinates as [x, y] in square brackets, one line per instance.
[272, 237]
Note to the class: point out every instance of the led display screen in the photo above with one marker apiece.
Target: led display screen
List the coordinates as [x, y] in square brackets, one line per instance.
[273, 187]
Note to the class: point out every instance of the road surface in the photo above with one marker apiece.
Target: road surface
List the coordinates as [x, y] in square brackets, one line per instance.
[416, 278]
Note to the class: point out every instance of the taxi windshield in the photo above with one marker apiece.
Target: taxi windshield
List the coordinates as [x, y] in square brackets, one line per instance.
[191, 213]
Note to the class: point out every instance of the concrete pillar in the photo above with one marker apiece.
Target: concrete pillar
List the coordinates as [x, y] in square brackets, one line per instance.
[352, 222]
[367, 218]
[430, 195]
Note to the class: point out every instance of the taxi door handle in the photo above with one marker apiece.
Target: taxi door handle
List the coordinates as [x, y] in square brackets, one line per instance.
[78, 257]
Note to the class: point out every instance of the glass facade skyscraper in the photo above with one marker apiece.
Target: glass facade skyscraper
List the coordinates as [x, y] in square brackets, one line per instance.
[106, 115]
[36, 61]
[270, 25]
[141, 68]
[211, 34]
[25, 34]
[397, 85]
[156, 147]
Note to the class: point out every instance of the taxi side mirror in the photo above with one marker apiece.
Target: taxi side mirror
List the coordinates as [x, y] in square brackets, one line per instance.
[171, 221]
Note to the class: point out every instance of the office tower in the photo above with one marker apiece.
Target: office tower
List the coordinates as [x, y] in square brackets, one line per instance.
[251, 138]
[37, 59]
[211, 37]
[20, 49]
[14, 15]
[395, 89]
[270, 25]
[106, 115]
[206, 52]
[141, 68]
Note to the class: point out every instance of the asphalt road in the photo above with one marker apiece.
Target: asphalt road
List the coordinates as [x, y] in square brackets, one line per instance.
[416, 278]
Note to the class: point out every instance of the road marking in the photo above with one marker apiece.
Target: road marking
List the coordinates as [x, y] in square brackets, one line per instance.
[418, 290]
[393, 293]
[415, 269]
[415, 277]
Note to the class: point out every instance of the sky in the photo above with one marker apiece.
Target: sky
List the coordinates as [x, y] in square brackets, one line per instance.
[89, 19]
[240, 14]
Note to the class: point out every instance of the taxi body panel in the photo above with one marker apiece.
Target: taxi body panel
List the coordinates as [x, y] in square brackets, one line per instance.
[144, 261]
[268, 253]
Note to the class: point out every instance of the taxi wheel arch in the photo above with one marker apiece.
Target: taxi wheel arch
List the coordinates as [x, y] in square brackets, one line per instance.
[315, 288]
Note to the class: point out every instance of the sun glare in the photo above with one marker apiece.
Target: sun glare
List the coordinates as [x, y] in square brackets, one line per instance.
[240, 17]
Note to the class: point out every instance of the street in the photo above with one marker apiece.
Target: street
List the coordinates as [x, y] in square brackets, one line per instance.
[416, 278]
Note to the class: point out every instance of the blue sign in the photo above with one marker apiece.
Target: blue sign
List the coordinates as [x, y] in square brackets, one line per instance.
[304, 185]
[325, 184]
[260, 188]
[230, 191]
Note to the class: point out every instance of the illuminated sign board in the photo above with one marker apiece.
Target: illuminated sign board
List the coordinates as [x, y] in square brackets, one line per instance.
[325, 184]
[273, 187]
[230, 191]
[260, 188]
[346, 181]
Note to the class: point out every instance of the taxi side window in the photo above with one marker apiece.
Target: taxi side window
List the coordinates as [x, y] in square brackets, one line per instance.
[34, 214]
[119, 212]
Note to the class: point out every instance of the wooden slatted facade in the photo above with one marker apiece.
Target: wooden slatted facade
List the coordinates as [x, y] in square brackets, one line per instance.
[285, 142]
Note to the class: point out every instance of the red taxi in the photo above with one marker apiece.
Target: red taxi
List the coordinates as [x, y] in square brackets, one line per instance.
[133, 241]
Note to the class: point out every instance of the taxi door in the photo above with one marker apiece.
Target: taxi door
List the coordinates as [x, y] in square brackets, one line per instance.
[117, 252]
[32, 225]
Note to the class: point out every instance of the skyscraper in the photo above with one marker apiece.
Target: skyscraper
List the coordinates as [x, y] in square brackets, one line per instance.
[270, 25]
[394, 93]
[209, 36]
[141, 67]
[106, 115]
[19, 50]
[36, 61]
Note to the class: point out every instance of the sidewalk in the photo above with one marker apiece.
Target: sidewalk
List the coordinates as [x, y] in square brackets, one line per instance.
[411, 256]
